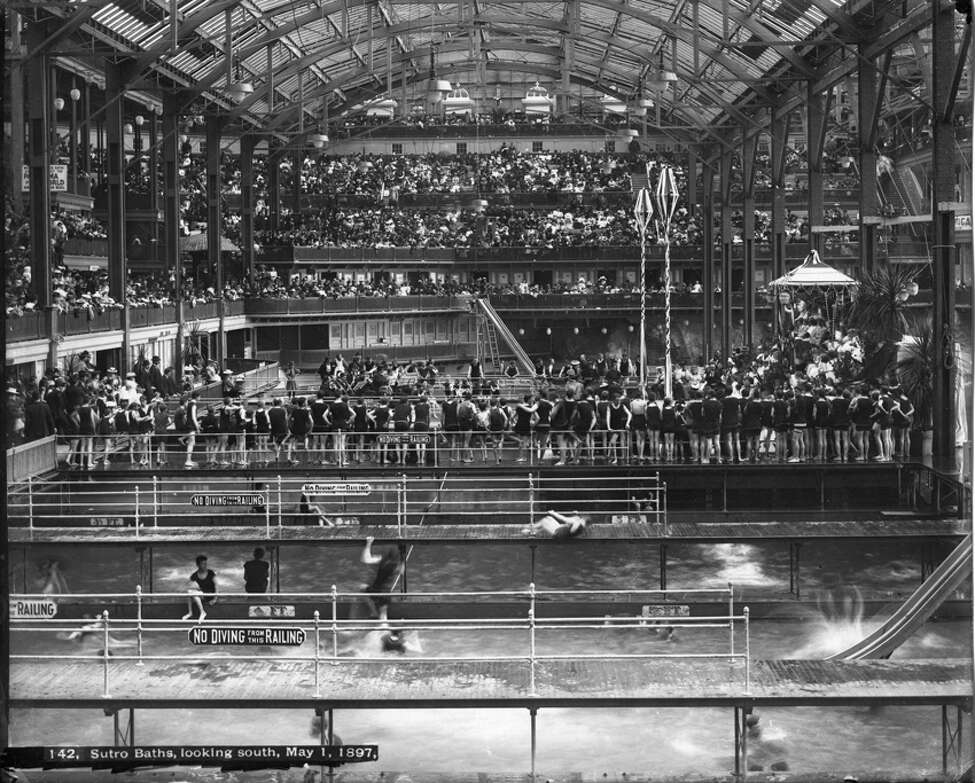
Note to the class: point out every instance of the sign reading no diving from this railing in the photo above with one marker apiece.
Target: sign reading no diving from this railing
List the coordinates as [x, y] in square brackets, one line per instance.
[247, 637]
[337, 488]
[224, 499]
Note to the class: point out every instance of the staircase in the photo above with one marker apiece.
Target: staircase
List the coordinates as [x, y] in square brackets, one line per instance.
[908, 191]
[487, 343]
[491, 330]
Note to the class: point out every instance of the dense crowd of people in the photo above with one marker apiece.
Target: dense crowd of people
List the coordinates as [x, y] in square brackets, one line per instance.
[803, 399]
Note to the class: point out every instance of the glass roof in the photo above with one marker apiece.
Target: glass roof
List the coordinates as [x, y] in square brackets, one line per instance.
[731, 56]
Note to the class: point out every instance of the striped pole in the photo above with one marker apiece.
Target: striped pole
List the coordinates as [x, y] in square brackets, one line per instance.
[643, 212]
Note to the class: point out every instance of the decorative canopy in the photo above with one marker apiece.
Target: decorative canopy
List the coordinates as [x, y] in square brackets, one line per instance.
[813, 273]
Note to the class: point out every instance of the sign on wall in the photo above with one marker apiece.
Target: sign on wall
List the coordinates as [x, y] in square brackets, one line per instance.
[57, 178]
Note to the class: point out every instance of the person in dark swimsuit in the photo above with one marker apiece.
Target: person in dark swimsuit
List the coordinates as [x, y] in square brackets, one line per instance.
[390, 566]
[257, 573]
[203, 593]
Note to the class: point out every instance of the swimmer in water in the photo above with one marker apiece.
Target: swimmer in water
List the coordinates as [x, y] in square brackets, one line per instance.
[51, 578]
[559, 525]
[395, 640]
[94, 631]
[390, 567]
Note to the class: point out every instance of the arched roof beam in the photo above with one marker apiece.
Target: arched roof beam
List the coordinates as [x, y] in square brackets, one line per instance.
[460, 45]
[282, 121]
[444, 21]
[450, 23]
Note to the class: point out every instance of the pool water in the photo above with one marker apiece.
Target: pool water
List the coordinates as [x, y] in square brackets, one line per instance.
[657, 742]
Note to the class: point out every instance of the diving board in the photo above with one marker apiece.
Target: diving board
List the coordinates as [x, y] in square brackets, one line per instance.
[403, 683]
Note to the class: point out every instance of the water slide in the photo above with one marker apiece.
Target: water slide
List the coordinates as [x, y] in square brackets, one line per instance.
[527, 366]
[914, 612]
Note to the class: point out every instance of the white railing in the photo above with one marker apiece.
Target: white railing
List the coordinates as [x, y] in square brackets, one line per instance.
[31, 459]
[104, 626]
[122, 451]
[403, 501]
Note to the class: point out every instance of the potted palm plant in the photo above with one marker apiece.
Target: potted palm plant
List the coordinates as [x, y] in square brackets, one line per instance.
[915, 373]
[880, 313]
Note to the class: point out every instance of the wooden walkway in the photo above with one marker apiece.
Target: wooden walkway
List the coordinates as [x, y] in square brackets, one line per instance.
[404, 683]
[790, 530]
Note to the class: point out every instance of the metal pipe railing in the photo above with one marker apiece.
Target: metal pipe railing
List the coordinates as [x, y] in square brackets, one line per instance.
[228, 449]
[140, 626]
[376, 499]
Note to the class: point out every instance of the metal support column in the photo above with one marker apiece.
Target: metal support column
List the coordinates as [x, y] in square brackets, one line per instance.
[868, 114]
[741, 742]
[691, 180]
[726, 264]
[707, 277]
[533, 713]
[943, 250]
[247, 144]
[115, 166]
[273, 186]
[779, 145]
[16, 70]
[39, 112]
[816, 134]
[663, 566]
[153, 146]
[951, 741]
[749, 151]
[124, 729]
[214, 125]
[171, 213]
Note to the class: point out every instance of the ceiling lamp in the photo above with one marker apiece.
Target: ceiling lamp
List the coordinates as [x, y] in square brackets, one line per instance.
[537, 100]
[612, 105]
[438, 87]
[663, 77]
[318, 140]
[458, 101]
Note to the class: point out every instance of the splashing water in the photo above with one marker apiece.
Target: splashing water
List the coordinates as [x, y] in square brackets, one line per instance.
[836, 624]
[740, 564]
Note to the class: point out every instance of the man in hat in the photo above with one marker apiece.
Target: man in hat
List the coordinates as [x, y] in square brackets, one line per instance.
[15, 415]
[156, 382]
[38, 420]
[227, 383]
[111, 382]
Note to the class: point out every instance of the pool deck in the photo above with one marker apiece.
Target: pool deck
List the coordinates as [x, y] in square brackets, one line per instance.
[499, 684]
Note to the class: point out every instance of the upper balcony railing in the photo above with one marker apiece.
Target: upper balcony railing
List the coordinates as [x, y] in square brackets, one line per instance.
[285, 254]
[795, 199]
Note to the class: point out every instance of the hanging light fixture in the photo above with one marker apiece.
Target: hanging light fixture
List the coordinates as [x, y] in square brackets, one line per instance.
[237, 86]
[537, 100]
[319, 138]
[663, 77]
[458, 101]
[437, 87]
